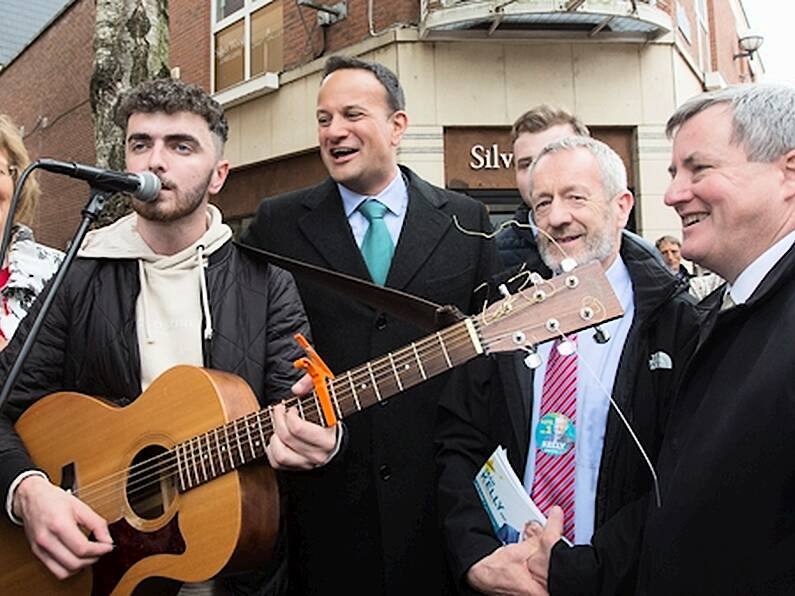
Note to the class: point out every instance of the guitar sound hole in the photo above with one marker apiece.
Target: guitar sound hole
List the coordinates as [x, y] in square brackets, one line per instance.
[151, 485]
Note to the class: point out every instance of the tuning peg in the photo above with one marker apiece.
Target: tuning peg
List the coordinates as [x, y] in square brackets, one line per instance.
[503, 289]
[533, 358]
[601, 336]
[566, 348]
[567, 264]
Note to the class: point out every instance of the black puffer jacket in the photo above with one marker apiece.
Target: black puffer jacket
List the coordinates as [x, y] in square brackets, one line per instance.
[516, 245]
[89, 343]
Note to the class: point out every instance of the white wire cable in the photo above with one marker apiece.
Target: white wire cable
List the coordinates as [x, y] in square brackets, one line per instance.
[567, 263]
[624, 420]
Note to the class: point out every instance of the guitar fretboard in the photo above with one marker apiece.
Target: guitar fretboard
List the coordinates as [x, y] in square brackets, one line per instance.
[227, 447]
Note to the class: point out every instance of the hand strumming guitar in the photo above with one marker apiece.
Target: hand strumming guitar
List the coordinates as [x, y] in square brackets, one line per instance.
[54, 522]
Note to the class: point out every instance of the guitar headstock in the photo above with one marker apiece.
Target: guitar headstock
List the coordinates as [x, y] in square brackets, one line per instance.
[542, 311]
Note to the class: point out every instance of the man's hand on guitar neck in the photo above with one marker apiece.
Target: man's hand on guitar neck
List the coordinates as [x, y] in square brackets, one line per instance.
[54, 521]
[297, 444]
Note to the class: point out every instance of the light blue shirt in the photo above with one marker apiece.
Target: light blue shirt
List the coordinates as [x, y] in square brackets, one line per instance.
[596, 372]
[395, 196]
[747, 282]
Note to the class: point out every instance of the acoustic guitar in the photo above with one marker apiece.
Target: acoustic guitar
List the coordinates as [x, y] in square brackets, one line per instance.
[190, 495]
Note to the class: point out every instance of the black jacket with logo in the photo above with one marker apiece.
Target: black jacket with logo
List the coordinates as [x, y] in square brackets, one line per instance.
[494, 405]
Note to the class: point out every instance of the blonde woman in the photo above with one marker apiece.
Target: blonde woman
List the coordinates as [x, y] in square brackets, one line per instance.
[28, 265]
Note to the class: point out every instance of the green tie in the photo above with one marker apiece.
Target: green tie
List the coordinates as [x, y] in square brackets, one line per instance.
[377, 247]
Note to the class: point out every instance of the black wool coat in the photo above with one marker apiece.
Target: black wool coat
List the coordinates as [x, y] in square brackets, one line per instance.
[366, 523]
[727, 522]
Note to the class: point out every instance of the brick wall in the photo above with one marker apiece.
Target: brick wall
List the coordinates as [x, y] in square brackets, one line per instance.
[303, 39]
[190, 31]
[723, 34]
[45, 90]
[353, 29]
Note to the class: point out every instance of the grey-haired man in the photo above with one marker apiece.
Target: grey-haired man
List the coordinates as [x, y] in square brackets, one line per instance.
[726, 524]
[578, 194]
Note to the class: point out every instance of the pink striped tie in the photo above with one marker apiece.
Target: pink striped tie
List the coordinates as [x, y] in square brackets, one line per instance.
[553, 480]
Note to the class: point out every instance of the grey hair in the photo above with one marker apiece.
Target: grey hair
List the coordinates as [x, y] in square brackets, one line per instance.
[668, 240]
[763, 118]
[611, 167]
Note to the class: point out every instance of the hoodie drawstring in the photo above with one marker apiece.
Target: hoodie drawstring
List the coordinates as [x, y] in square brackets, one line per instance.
[144, 302]
[208, 323]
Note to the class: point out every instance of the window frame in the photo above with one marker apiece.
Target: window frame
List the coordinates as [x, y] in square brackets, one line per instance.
[243, 14]
[703, 35]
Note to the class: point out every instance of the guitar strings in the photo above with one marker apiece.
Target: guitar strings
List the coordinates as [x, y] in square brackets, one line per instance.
[143, 470]
[148, 472]
[153, 468]
[142, 473]
[146, 466]
[152, 471]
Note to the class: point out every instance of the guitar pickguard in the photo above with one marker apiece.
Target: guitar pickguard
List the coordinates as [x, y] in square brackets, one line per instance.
[132, 546]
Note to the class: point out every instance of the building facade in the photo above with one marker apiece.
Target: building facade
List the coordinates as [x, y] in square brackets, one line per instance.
[469, 68]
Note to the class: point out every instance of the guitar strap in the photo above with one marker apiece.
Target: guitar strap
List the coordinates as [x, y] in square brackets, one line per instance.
[423, 313]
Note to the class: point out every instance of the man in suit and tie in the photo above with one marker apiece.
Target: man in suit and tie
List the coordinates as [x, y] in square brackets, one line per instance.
[367, 523]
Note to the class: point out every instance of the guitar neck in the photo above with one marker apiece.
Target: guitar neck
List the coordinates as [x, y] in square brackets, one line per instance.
[227, 447]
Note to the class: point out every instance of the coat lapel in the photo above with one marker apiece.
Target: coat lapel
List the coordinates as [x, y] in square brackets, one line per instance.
[518, 395]
[326, 228]
[423, 228]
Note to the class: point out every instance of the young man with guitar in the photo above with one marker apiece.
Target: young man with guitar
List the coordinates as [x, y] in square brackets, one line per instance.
[161, 287]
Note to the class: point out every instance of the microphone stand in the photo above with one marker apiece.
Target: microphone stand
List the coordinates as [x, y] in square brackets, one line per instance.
[90, 212]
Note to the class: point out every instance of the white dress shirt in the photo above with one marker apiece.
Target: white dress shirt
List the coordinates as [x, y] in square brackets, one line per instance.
[396, 198]
[747, 282]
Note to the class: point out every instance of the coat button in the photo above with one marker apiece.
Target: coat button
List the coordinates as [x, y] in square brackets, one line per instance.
[380, 322]
[385, 471]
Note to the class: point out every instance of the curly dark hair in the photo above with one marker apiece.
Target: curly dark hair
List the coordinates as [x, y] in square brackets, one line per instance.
[172, 96]
[389, 81]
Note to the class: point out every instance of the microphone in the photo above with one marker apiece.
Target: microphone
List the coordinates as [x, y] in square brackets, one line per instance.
[144, 186]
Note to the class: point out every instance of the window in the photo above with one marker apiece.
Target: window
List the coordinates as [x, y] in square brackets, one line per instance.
[248, 40]
[225, 8]
[701, 12]
[683, 23]
[704, 54]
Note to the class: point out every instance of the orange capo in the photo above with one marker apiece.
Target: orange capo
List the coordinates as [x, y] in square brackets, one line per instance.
[320, 373]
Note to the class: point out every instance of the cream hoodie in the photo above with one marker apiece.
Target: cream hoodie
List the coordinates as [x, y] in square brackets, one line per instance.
[173, 298]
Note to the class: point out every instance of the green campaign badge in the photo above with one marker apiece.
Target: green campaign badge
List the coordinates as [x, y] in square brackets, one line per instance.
[555, 434]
